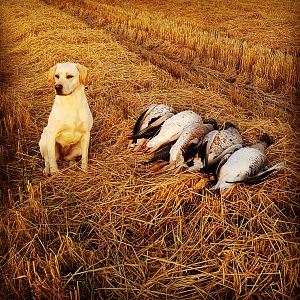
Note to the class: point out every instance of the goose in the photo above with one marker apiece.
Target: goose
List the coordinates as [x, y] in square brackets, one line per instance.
[160, 157]
[176, 154]
[148, 123]
[218, 143]
[246, 165]
[172, 129]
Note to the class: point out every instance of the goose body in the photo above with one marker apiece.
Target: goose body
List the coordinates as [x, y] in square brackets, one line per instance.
[172, 128]
[149, 122]
[177, 153]
[219, 143]
[245, 165]
[191, 136]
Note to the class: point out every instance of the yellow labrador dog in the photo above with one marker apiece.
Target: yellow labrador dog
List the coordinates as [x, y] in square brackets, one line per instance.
[67, 134]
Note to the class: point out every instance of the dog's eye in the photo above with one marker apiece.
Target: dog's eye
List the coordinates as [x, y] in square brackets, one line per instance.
[69, 76]
[56, 76]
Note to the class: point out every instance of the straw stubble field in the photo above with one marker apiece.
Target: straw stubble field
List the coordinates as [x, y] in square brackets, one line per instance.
[119, 232]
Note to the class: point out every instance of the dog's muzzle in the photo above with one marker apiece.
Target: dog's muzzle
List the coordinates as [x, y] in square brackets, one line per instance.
[59, 88]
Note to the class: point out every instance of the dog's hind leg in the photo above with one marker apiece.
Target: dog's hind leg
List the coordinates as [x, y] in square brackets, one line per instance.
[73, 152]
[44, 153]
[78, 149]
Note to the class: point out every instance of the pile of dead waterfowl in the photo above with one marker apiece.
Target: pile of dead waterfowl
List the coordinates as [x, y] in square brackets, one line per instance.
[183, 140]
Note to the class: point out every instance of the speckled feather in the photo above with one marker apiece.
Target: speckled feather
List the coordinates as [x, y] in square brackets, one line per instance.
[218, 141]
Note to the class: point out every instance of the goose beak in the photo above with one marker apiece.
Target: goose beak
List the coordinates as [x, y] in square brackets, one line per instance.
[129, 145]
[201, 184]
[166, 168]
[140, 146]
[157, 166]
[226, 193]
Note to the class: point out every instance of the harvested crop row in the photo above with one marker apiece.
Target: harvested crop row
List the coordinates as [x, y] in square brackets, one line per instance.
[265, 68]
[271, 23]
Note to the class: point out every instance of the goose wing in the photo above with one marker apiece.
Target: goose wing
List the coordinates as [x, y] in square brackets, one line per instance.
[188, 138]
[139, 122]
[192, 138]
[203, 146]
[150, 120]
[227, 152]
[152, 128]
[261, 175]
[224, 158]
[237, 167]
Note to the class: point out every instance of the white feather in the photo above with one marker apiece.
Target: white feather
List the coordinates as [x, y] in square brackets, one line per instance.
[173, 127]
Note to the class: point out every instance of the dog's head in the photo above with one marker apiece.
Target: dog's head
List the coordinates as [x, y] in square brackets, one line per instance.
[67, 77]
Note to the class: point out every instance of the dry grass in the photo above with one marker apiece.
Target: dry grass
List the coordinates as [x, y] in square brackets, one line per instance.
[160, 39]
[272, 23]
[118, 232]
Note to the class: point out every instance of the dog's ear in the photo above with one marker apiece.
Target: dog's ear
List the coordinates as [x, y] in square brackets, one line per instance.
[51, 74]
[83, 71]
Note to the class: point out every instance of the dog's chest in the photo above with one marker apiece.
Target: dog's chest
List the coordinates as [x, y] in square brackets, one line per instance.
[71, 130]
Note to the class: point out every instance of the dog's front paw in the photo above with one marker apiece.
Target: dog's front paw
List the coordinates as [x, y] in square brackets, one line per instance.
[84, 167]
[53, 170]
[46, 171]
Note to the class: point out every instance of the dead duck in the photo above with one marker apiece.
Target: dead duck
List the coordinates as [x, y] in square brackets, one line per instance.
[245, 165]
[218, 143]
[148, 123]
[182, 150]
[172, 128]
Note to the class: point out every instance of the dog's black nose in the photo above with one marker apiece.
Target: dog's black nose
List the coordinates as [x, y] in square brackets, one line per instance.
[58, 87]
